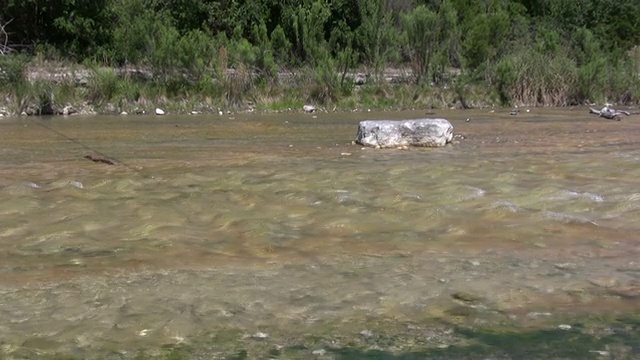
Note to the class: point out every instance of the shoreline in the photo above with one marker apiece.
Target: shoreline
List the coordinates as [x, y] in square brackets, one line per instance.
[53, 89]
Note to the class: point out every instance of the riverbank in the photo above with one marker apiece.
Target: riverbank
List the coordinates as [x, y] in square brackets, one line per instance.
[32, 87]
[53, 89]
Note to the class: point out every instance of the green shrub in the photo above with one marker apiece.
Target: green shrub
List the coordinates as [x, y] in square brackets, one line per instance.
[12, 71]
[103, 85]
[281, 46]
[376, 36]
[430, 37]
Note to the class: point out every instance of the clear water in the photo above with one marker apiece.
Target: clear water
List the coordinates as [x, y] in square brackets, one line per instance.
[278, 224]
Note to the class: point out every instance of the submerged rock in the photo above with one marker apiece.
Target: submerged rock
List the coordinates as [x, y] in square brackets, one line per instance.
[76, 184]
[466, 297]
[415, 132]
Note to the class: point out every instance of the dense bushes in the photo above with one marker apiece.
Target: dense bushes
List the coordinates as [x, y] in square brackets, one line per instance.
[544, 52]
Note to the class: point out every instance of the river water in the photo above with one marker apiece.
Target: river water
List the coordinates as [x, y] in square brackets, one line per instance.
[258, 232]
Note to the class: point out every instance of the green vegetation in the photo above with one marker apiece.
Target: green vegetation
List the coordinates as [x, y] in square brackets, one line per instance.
[133, 55]
[598, 338]
[480, 334]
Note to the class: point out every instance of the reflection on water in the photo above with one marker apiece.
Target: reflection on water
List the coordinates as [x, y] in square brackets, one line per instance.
[266, 221]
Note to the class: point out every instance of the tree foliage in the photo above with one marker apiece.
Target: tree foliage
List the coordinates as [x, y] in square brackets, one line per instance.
[376, 37]
[486, 40]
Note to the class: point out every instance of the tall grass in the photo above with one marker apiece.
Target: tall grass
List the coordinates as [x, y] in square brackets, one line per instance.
[239, 85]
[533, 78]
[13, 82]
[622, 82]
[32, 96]
[103, 86]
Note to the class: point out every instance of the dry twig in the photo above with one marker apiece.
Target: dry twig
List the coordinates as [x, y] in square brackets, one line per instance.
[4, 39]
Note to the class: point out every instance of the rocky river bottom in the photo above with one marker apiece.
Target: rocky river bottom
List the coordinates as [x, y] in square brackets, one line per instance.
[273, 236]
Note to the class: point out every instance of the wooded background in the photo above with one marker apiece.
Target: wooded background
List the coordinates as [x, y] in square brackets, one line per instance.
[533, 51]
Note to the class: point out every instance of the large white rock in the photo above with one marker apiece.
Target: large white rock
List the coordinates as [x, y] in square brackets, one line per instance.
[415, 132]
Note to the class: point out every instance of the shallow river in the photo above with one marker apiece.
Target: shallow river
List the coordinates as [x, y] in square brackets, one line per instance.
[273, 235]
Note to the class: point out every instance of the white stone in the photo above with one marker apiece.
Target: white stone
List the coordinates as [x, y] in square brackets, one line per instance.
[309, 108]
[415, 132]
[159, 111]
[68, 110]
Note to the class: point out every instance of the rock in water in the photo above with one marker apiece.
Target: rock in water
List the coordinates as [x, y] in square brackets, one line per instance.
[68, 110]
[415, 132]
[159, 111]
[309, 108]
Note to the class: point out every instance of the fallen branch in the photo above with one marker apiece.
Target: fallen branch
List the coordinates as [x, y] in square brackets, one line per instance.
[609, 113]
[4, 37]
[99, 160]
